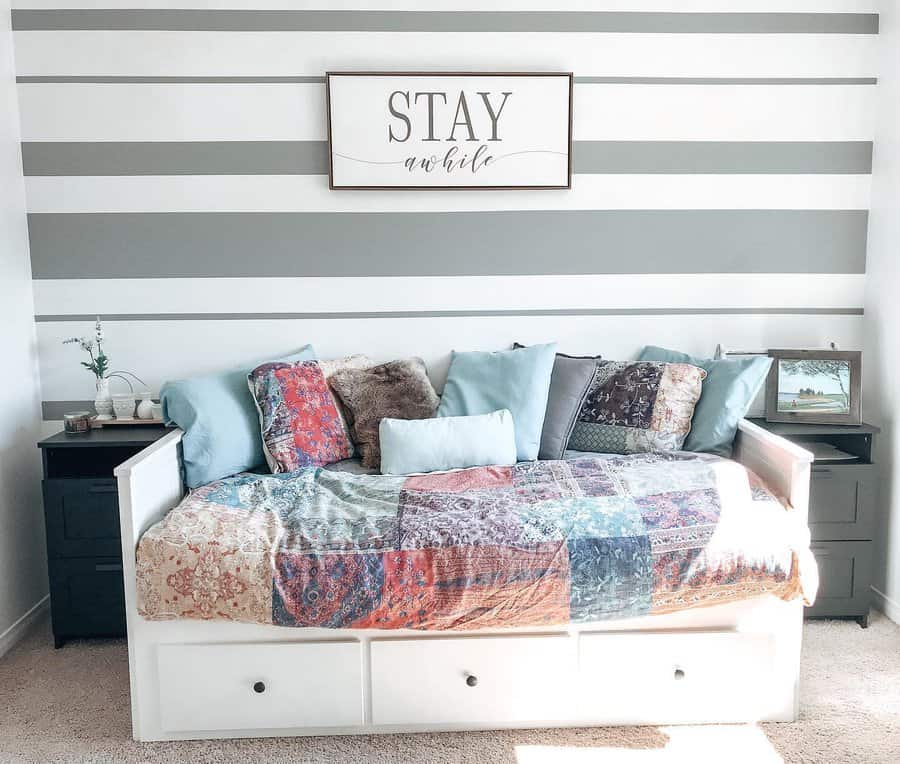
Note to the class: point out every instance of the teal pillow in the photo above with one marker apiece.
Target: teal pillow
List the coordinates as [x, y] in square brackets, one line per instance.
[410, 446]
[220, 422]
[481, 382]
[728, 391]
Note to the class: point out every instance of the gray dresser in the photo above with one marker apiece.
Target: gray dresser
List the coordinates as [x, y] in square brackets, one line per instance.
[842, 505]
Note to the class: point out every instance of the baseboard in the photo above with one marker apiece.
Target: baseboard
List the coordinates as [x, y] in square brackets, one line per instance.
[20, 628]
[890, 607]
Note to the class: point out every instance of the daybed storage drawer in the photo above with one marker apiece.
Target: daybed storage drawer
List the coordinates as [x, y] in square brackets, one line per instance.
[633, 678]
[467, 680]
[260, 686]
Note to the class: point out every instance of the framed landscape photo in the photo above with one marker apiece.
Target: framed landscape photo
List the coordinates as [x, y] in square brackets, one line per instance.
[449, 130]
[814, 386]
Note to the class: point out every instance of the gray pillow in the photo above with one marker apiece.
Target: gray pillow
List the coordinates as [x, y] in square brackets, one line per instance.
[569, 384]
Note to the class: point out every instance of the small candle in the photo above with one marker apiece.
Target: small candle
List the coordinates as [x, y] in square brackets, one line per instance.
[77, 423]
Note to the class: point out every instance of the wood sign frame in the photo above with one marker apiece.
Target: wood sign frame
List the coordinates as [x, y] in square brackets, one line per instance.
[352, 135]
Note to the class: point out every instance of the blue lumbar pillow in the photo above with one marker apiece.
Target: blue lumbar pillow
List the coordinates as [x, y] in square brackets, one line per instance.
[728, 391]
[220, 422]
[517, 380]
[450, 443]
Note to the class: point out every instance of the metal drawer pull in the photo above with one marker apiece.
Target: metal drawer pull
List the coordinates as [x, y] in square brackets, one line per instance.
[103, 489]
[471, 680]
[108, 567]
[679, 674]
[259, 687]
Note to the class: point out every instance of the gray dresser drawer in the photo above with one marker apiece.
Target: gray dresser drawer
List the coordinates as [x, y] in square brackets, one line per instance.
[842, 502]
[845, 569]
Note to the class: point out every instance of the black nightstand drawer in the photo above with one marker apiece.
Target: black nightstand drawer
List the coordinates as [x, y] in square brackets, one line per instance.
[82, 518]
[842, 502]
[845, 569]
[87, 597]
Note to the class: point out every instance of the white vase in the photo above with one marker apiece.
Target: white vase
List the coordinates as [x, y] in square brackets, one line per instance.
[103, 401]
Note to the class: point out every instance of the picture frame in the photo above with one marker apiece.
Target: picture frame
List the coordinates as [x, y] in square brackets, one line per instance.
[381, 141]
[814, 386]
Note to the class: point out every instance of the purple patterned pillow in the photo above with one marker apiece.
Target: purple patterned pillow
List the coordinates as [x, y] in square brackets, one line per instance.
[632, 407]
[300, 423]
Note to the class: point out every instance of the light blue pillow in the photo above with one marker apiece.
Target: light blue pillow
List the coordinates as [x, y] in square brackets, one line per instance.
[451, 443]
[728, 391]
[220, 422]
[517, 380]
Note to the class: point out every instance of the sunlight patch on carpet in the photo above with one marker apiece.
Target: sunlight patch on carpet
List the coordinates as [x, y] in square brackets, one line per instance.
[734, 744]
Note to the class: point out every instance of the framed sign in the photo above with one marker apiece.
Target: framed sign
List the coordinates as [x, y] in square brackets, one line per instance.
[438, 130]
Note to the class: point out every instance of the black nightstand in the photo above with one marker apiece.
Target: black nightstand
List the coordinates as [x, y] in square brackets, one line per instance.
[842, 498]
[81, 508]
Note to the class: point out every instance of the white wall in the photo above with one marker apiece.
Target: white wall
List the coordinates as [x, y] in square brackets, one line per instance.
[882, 320]
[175, 183]
[23, 576]
[152, 86]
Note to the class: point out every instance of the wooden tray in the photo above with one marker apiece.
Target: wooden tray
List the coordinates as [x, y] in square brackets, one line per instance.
[132, 422]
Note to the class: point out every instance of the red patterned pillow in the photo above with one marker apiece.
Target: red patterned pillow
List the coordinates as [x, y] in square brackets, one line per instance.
[298, 417]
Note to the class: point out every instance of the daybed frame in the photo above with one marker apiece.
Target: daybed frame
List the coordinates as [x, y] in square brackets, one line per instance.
[214, 679]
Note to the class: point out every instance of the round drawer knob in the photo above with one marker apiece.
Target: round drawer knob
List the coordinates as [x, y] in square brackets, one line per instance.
[259, 687]
[679, 674]
[471, 680]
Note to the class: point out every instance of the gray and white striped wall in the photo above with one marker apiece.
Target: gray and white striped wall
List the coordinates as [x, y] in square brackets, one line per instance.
[175, 164]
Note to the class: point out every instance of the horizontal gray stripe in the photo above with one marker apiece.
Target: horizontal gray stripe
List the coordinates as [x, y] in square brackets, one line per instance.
[311, 157]
[726, 80]
[750, 157]
[172, 244]
[113, 80]
[176, 158]
[125, 80]
[52, 410]
[444, 21]
[356, 315]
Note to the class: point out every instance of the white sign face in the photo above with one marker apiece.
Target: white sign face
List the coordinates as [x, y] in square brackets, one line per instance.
[449, 130]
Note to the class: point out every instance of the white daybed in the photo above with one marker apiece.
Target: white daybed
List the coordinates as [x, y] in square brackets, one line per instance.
[211, 679]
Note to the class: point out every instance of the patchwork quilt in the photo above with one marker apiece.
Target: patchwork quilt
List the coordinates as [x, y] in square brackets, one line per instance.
[539, 543]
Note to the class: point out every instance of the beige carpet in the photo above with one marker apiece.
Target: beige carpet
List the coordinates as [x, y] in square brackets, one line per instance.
[72, 705]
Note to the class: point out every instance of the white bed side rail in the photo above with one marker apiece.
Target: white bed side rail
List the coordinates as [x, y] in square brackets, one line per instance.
[149, 486]
[783, 465]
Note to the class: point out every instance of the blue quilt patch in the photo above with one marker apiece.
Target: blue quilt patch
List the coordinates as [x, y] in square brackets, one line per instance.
[610, 577]
[330, 591]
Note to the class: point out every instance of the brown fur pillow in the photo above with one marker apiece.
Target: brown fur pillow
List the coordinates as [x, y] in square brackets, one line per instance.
[399, 389]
